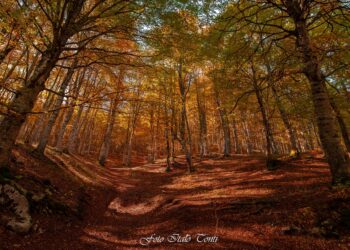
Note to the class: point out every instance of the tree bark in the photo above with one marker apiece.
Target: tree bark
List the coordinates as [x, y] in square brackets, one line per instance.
[267, 127]
[62, 129]
[238, 149]
[104, 150]
[183, 125]
[224, 124]
[166, 132]
[335, 151]
[173, 127]
[86, 134]
[342, 124]
[285, 119]
[44, 137]
[130, 134]
[75, 129]
[246, 131]
[22, 105]
[202, 117]
[151, 153]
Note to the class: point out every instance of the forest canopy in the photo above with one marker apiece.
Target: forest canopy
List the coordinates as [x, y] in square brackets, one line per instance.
[162, 78]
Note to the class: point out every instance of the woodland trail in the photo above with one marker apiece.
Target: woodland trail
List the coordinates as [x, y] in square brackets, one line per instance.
[235, 200]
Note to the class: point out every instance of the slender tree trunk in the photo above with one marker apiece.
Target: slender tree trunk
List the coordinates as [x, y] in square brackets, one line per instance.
[247, 134]
[75, 129]
[309, 142]
[168, 153]
[45, 135]
[224, 124]
[73, 138]
[202, 117]
[285, 119]
[87, 149]
[155, 145]
[104, 150]
[173, 128]
[183, 121]
[238, 149]
[190, 144]
[267, 127]
[183, 139]
[166, 133]
[130, 134]
[86, 131]
[80, 131]
[62, 129]
[151, 148]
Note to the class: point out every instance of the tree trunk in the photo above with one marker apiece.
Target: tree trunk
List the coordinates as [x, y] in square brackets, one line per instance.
[85, 131]
[335, 151]
[202, 117]
[342, 125]
[224, 124]
[285, 119]
[173, 127]
[130, 134]
[151, 148]
[267, 127]
[23, 103]
[183, 126]
[62, 129]
[75, 129]
[104, 150]
[45, 135]
[346, 95]
[246, 131]
[236, 139]
[26, 96]
[166, 133]
[155, 142]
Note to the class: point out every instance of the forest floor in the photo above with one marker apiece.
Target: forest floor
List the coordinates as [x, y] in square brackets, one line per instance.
[234, 199]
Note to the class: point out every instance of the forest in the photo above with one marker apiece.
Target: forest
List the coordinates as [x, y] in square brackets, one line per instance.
[174, 124]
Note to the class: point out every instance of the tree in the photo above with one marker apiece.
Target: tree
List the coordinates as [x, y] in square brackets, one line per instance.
[69, 19]
[281, 20]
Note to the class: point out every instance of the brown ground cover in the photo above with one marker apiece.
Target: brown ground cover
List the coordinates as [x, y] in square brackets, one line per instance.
[235, 199]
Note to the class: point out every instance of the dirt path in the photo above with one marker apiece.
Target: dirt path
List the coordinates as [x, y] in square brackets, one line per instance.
[230, 203]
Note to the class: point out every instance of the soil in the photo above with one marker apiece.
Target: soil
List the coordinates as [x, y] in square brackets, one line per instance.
[232, 203]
